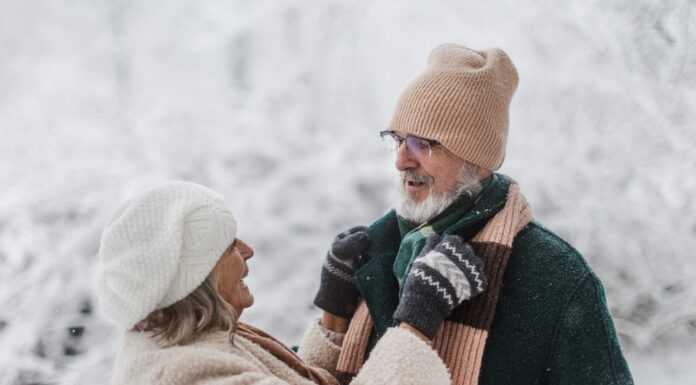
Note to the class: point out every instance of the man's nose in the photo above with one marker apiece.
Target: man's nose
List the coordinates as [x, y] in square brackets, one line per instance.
[405, 159]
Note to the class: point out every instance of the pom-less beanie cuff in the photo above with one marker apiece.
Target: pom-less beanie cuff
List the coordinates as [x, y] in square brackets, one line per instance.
[159, 247]
[462, 100]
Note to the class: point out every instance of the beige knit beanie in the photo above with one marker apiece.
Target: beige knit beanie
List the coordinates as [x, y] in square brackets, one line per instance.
[461, 100]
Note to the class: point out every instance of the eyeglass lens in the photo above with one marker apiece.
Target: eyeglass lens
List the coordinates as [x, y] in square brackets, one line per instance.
[416, 146]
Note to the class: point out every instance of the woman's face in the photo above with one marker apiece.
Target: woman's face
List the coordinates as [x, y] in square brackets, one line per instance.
[231, 270]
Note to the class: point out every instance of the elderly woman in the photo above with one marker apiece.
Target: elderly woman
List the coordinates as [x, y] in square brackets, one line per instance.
[173, 278]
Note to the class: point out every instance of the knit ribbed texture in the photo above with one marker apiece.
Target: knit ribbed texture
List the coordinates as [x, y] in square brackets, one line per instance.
[463, 343]
[355, 343]
[462, 100]
[461, 338]
[159, 247]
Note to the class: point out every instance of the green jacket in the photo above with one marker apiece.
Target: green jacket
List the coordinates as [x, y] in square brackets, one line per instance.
[551, 324]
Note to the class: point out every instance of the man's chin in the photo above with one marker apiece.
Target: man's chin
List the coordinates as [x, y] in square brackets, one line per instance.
[421, 210]
[416, 210]
[414, 198]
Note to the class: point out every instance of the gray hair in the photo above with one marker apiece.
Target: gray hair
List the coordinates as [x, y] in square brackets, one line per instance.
[202, 310]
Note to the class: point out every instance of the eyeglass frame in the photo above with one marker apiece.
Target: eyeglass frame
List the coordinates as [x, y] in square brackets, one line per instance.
[400, 140]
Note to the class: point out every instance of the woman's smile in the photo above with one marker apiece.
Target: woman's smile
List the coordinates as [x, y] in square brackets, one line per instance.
[231, 270]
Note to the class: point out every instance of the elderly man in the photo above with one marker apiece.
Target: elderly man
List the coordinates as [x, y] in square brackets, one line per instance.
[458, 225]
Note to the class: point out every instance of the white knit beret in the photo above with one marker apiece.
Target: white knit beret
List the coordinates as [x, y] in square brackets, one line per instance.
[159, 247]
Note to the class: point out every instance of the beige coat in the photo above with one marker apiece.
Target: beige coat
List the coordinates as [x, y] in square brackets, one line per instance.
[399, 358]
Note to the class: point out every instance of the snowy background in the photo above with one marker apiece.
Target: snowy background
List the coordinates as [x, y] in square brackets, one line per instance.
[277, 106]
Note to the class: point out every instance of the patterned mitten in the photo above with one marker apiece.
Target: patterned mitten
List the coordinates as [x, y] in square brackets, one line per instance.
[445, 274]
[338, 294]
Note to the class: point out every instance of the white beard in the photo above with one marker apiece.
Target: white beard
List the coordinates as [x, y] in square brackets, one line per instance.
[434, 204]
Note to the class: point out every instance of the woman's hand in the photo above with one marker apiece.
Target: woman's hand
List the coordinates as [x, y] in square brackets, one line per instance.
[415, 331]
[334, 323]
[445, 274]
[338, 293]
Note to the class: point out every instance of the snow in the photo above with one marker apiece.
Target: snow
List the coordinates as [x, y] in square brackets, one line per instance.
[663, 365]
[277, 106]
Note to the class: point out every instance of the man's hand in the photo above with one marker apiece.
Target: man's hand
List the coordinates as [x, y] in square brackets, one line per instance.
[445, 274]
[338, 294]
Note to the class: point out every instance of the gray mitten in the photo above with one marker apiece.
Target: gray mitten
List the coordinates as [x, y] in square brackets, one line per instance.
[445, 274]
[338, 293]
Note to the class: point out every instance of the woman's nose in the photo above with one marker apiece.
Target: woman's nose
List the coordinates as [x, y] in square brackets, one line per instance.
[245, 250]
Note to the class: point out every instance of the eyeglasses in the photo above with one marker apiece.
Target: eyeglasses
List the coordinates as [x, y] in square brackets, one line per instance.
[420, 147]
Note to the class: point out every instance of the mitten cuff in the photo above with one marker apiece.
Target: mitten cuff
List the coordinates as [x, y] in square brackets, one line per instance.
[337, 294]
[422, 312]
[344, 309]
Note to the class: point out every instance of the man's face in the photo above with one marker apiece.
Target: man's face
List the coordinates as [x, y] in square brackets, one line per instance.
[442, 166]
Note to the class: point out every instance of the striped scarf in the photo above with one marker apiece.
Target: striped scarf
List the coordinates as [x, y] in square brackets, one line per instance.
[461, 338]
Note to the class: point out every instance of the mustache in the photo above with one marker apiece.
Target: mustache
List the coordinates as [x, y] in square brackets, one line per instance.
[412, 176]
